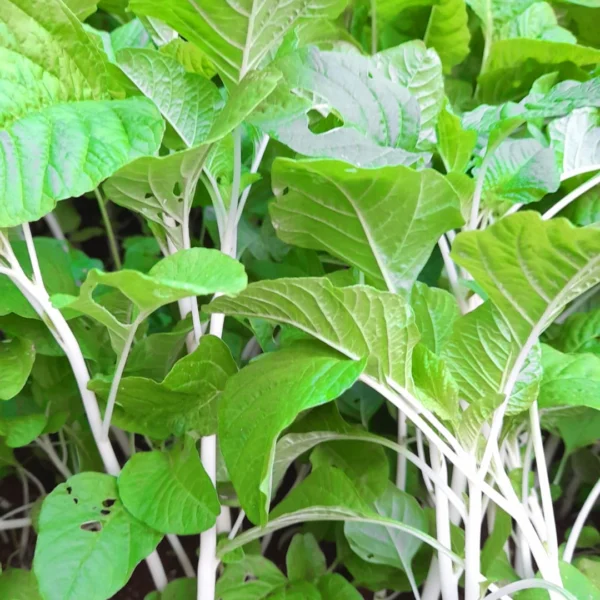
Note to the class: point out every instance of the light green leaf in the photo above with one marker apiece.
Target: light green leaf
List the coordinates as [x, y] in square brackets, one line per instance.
[251, 578]
[455, 144]
[178, 589]
[18, 584]
[481, 350]
[531, 268]
[21, 420]
[385, 546]
[435, 311]
[574, 581]
[304, 559]
[16, 359]
[537, 22]
[576, 141]
[189, 102]
[251, 415]
[82, 9]
[88, 544]
[335, 587]
[185, 400]
[350, 320]
[579, 333]
[237, 38]
[64, 91]
[381, 118]
[520, 171]
[327, 205]
[578, 427]
[448, 32]
[170, 491]
[569, 379]
[190, 57]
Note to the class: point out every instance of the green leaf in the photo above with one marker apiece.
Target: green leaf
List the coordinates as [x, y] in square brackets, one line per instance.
[74, 102]
[21, 420]
[576, 141]
[448, 32]
[16, 359]
[304, 559]
[185, 400]
[237, 39]
[335, 587]
[88, 544]
[494, 545]
[381, 118]
[531, 268]
[298, 590]
[19, 584]
[251, 578]
[178, 589]
[170, 491]
[190, 57]
[350, 320]
[569, 379]
[251, 415]
[455, 144]
[579, 429]
[537, 22]
[520, 171]
[189, 102]
[383, 545]
[327, 205]
[573, 580]
[82, 9]
[579, 333]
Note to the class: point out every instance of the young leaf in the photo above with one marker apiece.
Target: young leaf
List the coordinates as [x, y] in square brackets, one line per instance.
[579, 333]
[350, 320]
[251, 416]
[88, 544]
[326, 205]
[185, 400]
[531, 268]
[569, 379]
[381, 545]
[252, 577]
[304, 559]
[75, 103]
[237, 39]
[170, 491]
[19, 584]
[16, 359]
[455, 144]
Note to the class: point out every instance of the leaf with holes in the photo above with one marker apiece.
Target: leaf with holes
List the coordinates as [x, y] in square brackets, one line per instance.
[88, 543]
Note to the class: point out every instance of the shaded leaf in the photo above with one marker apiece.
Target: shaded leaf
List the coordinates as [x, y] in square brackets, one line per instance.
[16, 360]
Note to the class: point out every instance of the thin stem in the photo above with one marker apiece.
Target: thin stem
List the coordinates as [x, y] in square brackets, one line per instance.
[181, 555]
[529, 584]
[8, 524]
[112, 241]
[582, 189]
[473, 543]
[401, 464]
[584, 513]
[260, 151]
[54, 227]
[237, 525]
[114, 387]
[35, 264]
[452, 273]
[46, 445]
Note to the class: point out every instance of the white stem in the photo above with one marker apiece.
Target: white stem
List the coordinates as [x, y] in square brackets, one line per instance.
[473, 543]
[582, 189]
[35, 264]
[114, 387]
[586, 509]
[6, 525]
[459, 486]
[581, 171]
[54, 227]
[529, 584]
[237, 525]
[452, 273]
[423, 458]
[524, 553]
[401, 464]
[181, 555]
[46, 445]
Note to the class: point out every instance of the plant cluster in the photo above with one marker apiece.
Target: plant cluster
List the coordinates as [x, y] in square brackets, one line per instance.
[302, 278]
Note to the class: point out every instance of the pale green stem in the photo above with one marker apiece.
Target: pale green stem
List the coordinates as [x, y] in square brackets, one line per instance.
[112, 241]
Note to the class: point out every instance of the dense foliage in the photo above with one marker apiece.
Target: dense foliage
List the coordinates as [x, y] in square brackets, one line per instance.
[313, 280]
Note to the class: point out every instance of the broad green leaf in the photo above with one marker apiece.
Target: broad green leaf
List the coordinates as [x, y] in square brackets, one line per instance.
[574, 581]
[364, 463]
[349, 320]
[578, 427]
[16, 359]
[435, 311]
[185, 400]
[520, 171]
[19, 584]
[327, 205]
[160, 188]
[189, 102]
[82, 9]
[385, 546]
[576, 141]
[304, 559]
[579, 333]
[178, 589]
[569, 379]
[64, 91]
[478, 354]
[56, 272]
[297, 590]
[455, 144]
[531, 268]
[21, 420]
[170, 490]
[335, 587]
[382, 120]
[190, 57]
[251, 415]
[237, 38]
[448, 32]
[251, 578]
[537, 22]
[88, 544]
[34, 330]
